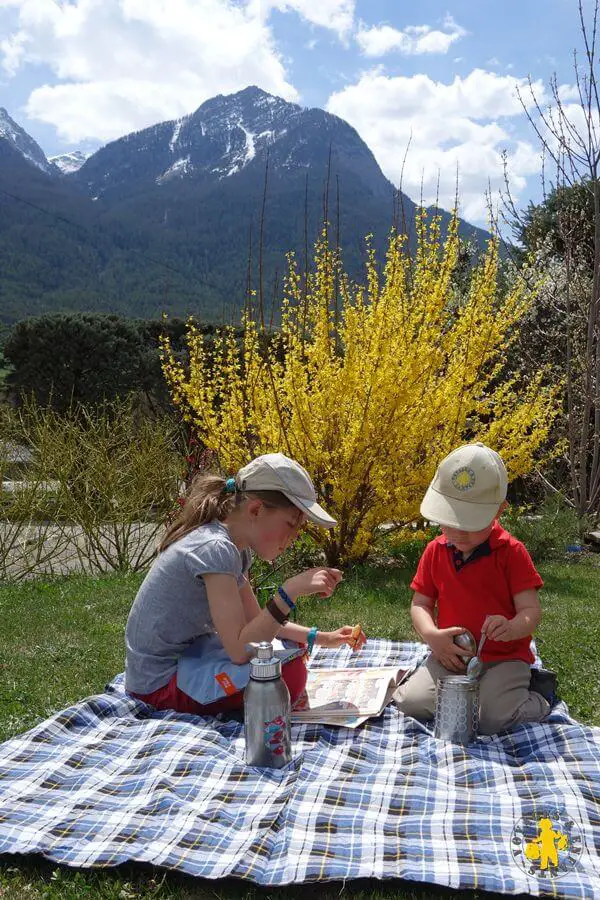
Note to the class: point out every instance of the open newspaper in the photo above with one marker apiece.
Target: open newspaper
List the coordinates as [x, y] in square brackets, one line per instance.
[346, 697]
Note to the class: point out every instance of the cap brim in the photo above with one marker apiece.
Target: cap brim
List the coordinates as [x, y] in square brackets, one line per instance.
[314, 512]
[454, 513]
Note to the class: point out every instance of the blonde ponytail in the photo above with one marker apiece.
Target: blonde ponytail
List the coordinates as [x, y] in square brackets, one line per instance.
[205, 502]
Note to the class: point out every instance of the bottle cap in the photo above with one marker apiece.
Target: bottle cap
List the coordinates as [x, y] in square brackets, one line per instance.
[265, 666]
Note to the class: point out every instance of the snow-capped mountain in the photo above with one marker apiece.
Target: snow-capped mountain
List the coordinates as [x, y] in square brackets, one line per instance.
[226, 136]
[167, 219]
[19, 140]
[237, 128]
[69, 162]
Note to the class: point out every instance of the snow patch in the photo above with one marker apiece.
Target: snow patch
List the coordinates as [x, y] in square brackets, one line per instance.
[266, 100]
[175, 136]
[26, 146]
[70, 162]
[7, 129]
[250, 146]
[242, 158]
[178, 170]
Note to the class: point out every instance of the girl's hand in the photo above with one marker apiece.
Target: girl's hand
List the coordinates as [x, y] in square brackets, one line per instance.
[321, 581]
[498, 628]
[445, 650]
[341, 636]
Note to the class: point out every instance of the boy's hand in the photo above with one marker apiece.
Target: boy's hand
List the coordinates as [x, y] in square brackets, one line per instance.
[445, 650]
[498, 628]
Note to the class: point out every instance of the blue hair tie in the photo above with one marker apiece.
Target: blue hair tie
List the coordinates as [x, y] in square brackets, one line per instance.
[230, 486]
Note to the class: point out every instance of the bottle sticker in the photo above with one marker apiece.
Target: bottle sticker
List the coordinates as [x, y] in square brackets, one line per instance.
[274, 736]
[226, 683]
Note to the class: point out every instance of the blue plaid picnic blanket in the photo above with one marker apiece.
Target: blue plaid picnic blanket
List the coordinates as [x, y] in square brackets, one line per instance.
[109, 780]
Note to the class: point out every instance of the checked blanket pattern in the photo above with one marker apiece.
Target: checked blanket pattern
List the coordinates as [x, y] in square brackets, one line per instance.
[109, 780]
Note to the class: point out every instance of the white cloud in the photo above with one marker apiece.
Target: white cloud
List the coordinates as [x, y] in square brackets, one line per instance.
[567, 131]
[568, 92]
[124, 64]
[413, 40]
[337, 15]
[12, 50]
[567, 128]
[460, 126]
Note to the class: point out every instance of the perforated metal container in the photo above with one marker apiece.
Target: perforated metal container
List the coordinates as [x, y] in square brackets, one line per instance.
[457, 709]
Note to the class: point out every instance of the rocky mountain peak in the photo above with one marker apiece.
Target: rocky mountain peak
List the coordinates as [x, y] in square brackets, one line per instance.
[18, 138]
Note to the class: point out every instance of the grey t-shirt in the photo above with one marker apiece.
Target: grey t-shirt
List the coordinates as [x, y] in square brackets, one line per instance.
[171, 608]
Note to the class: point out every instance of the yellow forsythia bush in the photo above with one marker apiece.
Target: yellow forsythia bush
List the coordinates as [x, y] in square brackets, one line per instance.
[370, 386]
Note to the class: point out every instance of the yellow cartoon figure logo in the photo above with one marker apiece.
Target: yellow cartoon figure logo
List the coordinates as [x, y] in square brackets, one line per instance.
[548, 846]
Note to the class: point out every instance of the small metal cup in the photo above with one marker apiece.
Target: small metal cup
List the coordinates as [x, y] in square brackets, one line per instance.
[466, 641]
[457, 709]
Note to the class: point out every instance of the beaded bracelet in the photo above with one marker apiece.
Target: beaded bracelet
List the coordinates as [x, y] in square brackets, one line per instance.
[286, 597]
[311, 638]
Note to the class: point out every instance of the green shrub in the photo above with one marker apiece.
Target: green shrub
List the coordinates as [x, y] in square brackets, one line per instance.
[303, 554]
[546, 531]
[406, 545]
[95, 493]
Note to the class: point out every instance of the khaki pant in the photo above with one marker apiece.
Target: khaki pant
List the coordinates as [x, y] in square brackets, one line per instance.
[504, 696]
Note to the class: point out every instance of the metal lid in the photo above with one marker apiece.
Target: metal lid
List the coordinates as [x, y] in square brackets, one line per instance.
[265, 666]
[458, 683]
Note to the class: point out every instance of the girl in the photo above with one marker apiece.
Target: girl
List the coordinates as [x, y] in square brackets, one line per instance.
[195, 612]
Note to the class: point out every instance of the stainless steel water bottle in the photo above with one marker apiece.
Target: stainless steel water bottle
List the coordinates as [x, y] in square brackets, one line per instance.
[457, 709]
[267, 712]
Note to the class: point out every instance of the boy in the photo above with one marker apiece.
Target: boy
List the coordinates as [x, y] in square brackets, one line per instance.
[480, 578]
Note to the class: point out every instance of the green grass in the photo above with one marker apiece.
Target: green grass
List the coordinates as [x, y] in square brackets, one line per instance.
[62, 640]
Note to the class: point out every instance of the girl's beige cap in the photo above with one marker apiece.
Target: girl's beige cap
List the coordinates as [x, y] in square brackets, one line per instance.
[467, 490]
[276, 472]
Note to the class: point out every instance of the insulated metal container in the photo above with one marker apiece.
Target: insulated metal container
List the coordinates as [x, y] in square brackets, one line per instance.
[267, 712]
[457, 709]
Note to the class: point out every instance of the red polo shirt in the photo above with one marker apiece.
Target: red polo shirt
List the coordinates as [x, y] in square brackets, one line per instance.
[484, 586]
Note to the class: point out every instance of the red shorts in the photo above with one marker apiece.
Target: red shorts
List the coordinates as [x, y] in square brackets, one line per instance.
[171, 697]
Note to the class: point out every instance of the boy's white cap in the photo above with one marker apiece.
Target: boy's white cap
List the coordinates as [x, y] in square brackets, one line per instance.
[276, 472]
[468, 488]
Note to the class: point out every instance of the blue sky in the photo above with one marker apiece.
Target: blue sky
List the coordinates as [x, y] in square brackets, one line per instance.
[440, 75]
